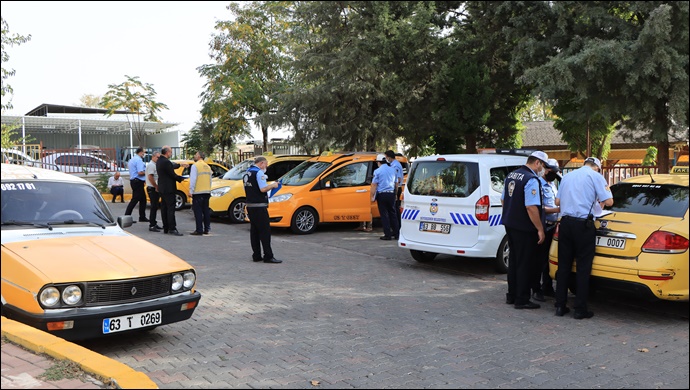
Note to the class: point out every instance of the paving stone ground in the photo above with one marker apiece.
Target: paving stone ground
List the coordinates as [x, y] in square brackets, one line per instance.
[347, 310]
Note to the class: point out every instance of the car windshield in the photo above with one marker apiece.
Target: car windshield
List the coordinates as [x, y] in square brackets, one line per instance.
[45, 202]
[236, 172]
[443, 178]
[304, 173]
[654, 199]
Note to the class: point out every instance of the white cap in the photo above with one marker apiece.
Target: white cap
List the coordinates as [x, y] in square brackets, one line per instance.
[594, 160]
[554, 164]
[381, 157]
[545, 159]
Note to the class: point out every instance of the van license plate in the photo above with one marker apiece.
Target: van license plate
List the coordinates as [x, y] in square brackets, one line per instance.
[434, 227]
[132, 321]
[610, 242]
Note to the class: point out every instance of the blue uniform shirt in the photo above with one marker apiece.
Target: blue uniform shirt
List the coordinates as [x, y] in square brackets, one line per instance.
[395, 164]
[580, 190]
[136, 165]
[532, 196]
[549, 191]
[384, 177]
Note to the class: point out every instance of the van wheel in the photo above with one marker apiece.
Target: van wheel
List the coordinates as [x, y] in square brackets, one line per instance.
[422, 256]
[180, 200]
[236, 211]
[502, 255]
[304, 221]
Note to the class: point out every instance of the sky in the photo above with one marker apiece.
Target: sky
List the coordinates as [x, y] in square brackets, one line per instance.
[79, 48]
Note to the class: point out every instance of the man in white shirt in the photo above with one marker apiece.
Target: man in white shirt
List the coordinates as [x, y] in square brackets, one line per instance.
[117, 187]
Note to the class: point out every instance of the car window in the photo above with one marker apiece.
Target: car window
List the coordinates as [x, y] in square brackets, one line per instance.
[304, 173]
[69, 159]
[236, 172]
[279, 168]
[498, 177]
[93, 162]
[655, 199]
[42, 202]
[217, 170]
[444, 178]
[349, 176]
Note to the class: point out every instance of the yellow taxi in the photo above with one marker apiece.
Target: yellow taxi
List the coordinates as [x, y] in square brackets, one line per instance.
[227, 193]
[642, 244]
[67, 264]
[332, 187]
[182, 196]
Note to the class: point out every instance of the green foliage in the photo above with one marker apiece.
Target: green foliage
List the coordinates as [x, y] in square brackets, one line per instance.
[9, 136]
[8, 40]
[101, 182]
[138, 100]
[650, 156]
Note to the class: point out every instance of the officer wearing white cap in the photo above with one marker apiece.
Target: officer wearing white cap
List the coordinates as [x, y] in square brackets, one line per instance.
[580, 190]
[523, 218]
[383, 192]
[543, 285]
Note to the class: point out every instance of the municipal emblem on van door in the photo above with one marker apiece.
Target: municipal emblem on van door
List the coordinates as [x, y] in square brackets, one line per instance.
[433, 209]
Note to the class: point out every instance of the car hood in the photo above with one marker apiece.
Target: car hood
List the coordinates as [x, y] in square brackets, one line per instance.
[94, 258]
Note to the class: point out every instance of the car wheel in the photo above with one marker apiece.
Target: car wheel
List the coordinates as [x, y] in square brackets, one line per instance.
[236, 210]
[304, 221]
[502, 257]
[422, 256]
[180, 200]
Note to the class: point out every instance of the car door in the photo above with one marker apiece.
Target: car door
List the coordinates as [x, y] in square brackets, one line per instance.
[347, 198]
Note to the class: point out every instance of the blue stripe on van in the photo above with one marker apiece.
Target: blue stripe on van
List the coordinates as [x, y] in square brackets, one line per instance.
[495, 220]
[464, 219]
[409, 214]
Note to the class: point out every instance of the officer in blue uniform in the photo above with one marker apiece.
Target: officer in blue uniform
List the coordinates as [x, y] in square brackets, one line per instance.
[580, 190]
[523, 218]
[256, 190]
[543, 285]
[399, 177]
[383, 192]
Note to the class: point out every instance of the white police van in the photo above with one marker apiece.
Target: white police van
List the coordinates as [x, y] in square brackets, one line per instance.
[452, 205]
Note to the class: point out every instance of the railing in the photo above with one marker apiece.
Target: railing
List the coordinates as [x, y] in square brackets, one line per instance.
[614, 174]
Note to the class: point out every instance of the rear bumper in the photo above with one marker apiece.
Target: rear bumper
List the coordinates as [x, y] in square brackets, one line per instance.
[88, 322]
[482, 249]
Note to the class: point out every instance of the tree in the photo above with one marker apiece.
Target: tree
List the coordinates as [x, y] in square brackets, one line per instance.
[8, 41]
[137, 99]
[88, 100]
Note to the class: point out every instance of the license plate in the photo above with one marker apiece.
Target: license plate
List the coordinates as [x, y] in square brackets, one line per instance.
[434, 227]
[610, 242]
[132, 321]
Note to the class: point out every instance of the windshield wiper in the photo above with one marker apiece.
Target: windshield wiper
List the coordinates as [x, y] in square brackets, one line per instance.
[78, 222]
[27, 223]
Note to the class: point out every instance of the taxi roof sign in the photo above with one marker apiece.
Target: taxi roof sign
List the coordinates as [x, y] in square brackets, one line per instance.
[680, 170]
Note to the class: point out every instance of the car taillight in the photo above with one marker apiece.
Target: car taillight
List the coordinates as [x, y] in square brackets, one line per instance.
[665, 242]
[481, 208]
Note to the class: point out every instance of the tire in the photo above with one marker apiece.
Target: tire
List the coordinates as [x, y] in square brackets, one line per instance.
[501, 261]
[304, 221]
[236, 210]
[180, 200]
[422, 256]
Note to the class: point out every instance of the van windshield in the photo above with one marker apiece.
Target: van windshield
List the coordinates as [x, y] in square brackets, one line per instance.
[443, 178]
[236, 172]
[304, 173]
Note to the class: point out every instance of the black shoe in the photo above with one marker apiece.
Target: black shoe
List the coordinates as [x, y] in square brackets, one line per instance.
[273, 260]
[257, 260]
[561, 311]
[175, 233]
[528, 305]
[395, 237]
[157, 227]
[195, 233]
[578, 315]
[386, 238]
[510, 300]
[112, 201]
[207, 232]
[537, 296]
[144, 220]
[154, 229]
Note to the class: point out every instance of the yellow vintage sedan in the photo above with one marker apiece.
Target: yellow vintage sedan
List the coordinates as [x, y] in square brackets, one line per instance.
[642, 245]
[68, 266]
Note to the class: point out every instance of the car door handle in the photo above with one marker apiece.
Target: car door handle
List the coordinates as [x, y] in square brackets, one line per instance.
[362, 191]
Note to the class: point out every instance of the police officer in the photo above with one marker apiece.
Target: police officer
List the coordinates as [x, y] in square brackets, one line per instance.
[579, 191]
[543, 285]
[523, 218]
[395, 164]
[383, 192]
[256, 191]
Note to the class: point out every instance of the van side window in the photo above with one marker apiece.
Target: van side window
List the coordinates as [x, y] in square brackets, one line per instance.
[498, 177]
[444, 178]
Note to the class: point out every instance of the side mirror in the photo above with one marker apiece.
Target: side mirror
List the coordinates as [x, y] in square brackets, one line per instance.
[328, 184]
[125, 221]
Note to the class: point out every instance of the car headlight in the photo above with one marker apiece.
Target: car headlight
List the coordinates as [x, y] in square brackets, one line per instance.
[71, 295]
[220, 191]
[189, 280]
[279, 198]
[176, 282]
[50, 297]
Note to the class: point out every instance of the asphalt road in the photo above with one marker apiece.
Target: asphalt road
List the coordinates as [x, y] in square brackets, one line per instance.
[347, 310]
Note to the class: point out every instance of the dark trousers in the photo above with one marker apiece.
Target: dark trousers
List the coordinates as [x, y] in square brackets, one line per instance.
[523, 250]
[575, 241]
[389, 218]
[154, 197]
[168, 212]
[260, 232]
[202, 212]
[138, 196]
[117, 191]
[542, 280]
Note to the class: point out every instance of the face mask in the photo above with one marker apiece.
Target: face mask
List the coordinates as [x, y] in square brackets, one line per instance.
[541, 172]
[263, 170]
[551, 176]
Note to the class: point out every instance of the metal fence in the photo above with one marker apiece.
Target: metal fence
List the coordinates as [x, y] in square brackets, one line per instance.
[614, 174]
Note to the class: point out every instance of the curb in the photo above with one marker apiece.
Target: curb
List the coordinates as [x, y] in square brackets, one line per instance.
[121, 375]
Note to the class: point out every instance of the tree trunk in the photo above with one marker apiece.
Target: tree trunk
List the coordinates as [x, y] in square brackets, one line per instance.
[264, 132]
[471, 143]
[662, 157]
